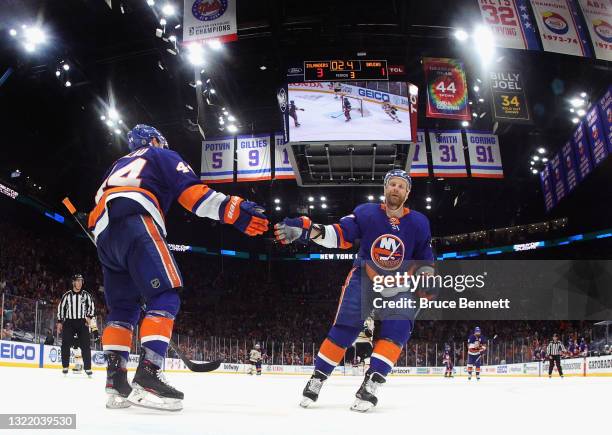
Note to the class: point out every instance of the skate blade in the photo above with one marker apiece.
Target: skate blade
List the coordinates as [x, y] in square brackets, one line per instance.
[361, 406]
[145, 399]
[116, 401]
[306, 402]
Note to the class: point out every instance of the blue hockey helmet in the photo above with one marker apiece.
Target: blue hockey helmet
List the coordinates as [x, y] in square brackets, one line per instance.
[142, 135]
[477, 330]
[400, 173]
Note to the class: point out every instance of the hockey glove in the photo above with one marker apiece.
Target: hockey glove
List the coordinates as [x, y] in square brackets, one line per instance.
[247, 216]
[292, 229]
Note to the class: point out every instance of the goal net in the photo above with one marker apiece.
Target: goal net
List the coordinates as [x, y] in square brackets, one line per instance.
[357, 105]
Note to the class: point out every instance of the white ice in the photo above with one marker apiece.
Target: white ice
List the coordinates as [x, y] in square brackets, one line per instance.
[323, 120]
[241, 404]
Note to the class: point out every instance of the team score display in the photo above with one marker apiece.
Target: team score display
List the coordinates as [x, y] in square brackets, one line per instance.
[502, 14]
[337, 70]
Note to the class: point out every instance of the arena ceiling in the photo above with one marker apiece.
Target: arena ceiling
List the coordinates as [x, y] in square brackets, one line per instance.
[54, 134]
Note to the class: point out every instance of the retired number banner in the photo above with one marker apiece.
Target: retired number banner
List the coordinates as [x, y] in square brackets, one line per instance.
[510, 23]
[485, 157]
[218, 160]
[447, 95]
[558, 177]
[598, 16]
[419, 166]
[569, 162]
[447, 153]
[253, 155]
[596, 135]
[509, 100]
[581, 149]
[545, 180]
[209, 19]
[605, 108]
[282, 166]
[561, 28]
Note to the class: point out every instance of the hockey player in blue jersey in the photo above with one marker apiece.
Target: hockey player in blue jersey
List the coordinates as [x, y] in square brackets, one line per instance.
[476, 347]
[390, 235]
[129, 227]
[448, 362]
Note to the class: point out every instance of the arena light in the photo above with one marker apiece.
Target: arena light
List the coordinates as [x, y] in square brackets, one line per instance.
[215, 44]
[323, 206]
[311, 206]
[428, 199]
[323, 198]
[476, 88]
[117, 131]
[231, 118]
[172, 38]
[57, 73]
[277, 208]
[461, 35]
[30, 48]
[195, 54]
[13, 32]
[583, 94]
[381, 198]
[541, 150]
[66, 67]
[465, 124]
[35, 35]
[535, 158]
[484, 43]
[232, 128]
[310, 199]
[162, 22]
[577, 102]
[370, 197]
[276, 201]
[428, 207]
[68, 83]
[534, 171]
[581, 112]
[168, 10]
[575, 120]
[151, 2]
[198, 82]
[544, 159]
[263, 67]
[113, 114]
[102, 118]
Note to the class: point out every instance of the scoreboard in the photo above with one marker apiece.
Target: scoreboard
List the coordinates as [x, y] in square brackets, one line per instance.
[345, 70]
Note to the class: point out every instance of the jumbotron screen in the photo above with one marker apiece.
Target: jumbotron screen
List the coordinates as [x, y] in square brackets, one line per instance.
[355, 111]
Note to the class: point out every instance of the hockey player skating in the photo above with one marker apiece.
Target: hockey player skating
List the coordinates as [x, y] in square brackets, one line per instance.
[346, 107]
[337, 90]
[476, 347]
[363, 344]
[378, 226]
[255, 360]
[447, 360]
[391, 111]
[293, 112]
[128, 224]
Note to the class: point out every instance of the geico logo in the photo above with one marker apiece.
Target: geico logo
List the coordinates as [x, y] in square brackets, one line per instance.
[381, 96]
[17, 351]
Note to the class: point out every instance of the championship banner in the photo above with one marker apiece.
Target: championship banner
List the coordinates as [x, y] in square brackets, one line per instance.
[549, 199]
[485, 157]
[605, 108]
[569, 161]
[447, 153]
[558, 177]
[509, 100]
[561, 27]
[447, 95]
[209, 19]
[596, 134]
[510, 23]
[581, 149]
[218, 160]
[419, 167]
[282, 165]
[253, 155]
[598, 16]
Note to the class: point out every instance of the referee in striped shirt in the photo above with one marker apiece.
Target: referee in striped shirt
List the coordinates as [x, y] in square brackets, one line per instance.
[74, 313]
[554, 350]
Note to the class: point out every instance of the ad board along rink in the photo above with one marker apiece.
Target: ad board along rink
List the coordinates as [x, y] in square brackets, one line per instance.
[220, 403]
[321, 117]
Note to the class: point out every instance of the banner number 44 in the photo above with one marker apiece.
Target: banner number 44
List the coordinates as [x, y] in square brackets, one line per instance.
[443, 88]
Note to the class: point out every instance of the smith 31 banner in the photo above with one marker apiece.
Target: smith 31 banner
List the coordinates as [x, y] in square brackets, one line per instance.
[510, 23]
[485, 157]
[596, 134]
[447, 95]
[218, 160]
[447, 153]
[547, 190]
[209, 19]
[561, 28]
[569, 162]
[598, 16]
[581, 149]
[419, 167]
[558, 177]
[509, 100]
[282, 165]
[253, 155]
[605, 108]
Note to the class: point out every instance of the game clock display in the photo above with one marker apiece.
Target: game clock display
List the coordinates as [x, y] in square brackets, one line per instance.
[345, 70]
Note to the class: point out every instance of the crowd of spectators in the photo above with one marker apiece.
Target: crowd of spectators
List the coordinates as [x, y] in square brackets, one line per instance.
[228, 305]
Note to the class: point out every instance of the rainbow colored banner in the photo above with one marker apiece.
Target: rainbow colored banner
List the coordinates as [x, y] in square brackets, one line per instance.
[447, 95]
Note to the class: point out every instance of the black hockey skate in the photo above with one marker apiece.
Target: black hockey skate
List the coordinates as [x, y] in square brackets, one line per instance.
[150, 389]
[312, 389]
[366, 395]
[117, 386]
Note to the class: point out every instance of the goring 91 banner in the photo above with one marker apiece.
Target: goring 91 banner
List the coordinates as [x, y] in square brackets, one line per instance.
[509, 100]
[510, 23]
[447, 95]
[485, 156]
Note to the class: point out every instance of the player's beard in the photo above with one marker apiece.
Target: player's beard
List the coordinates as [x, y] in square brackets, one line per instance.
[394, 202]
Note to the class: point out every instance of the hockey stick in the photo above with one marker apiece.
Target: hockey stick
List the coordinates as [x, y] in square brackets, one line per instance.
[191, 365]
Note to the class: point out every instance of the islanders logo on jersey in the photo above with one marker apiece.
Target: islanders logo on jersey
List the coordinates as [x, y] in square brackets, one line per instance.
[387, 252]
[555, 23]
[603, 30]
[208, 10]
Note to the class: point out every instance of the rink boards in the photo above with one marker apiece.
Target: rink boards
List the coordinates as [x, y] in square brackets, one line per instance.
[15, 354]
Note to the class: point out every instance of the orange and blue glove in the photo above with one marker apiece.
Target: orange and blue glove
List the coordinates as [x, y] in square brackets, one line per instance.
[247, 216]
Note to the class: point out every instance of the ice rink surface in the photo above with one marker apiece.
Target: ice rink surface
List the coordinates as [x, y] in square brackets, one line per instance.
[241, 404]
[323, 120]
